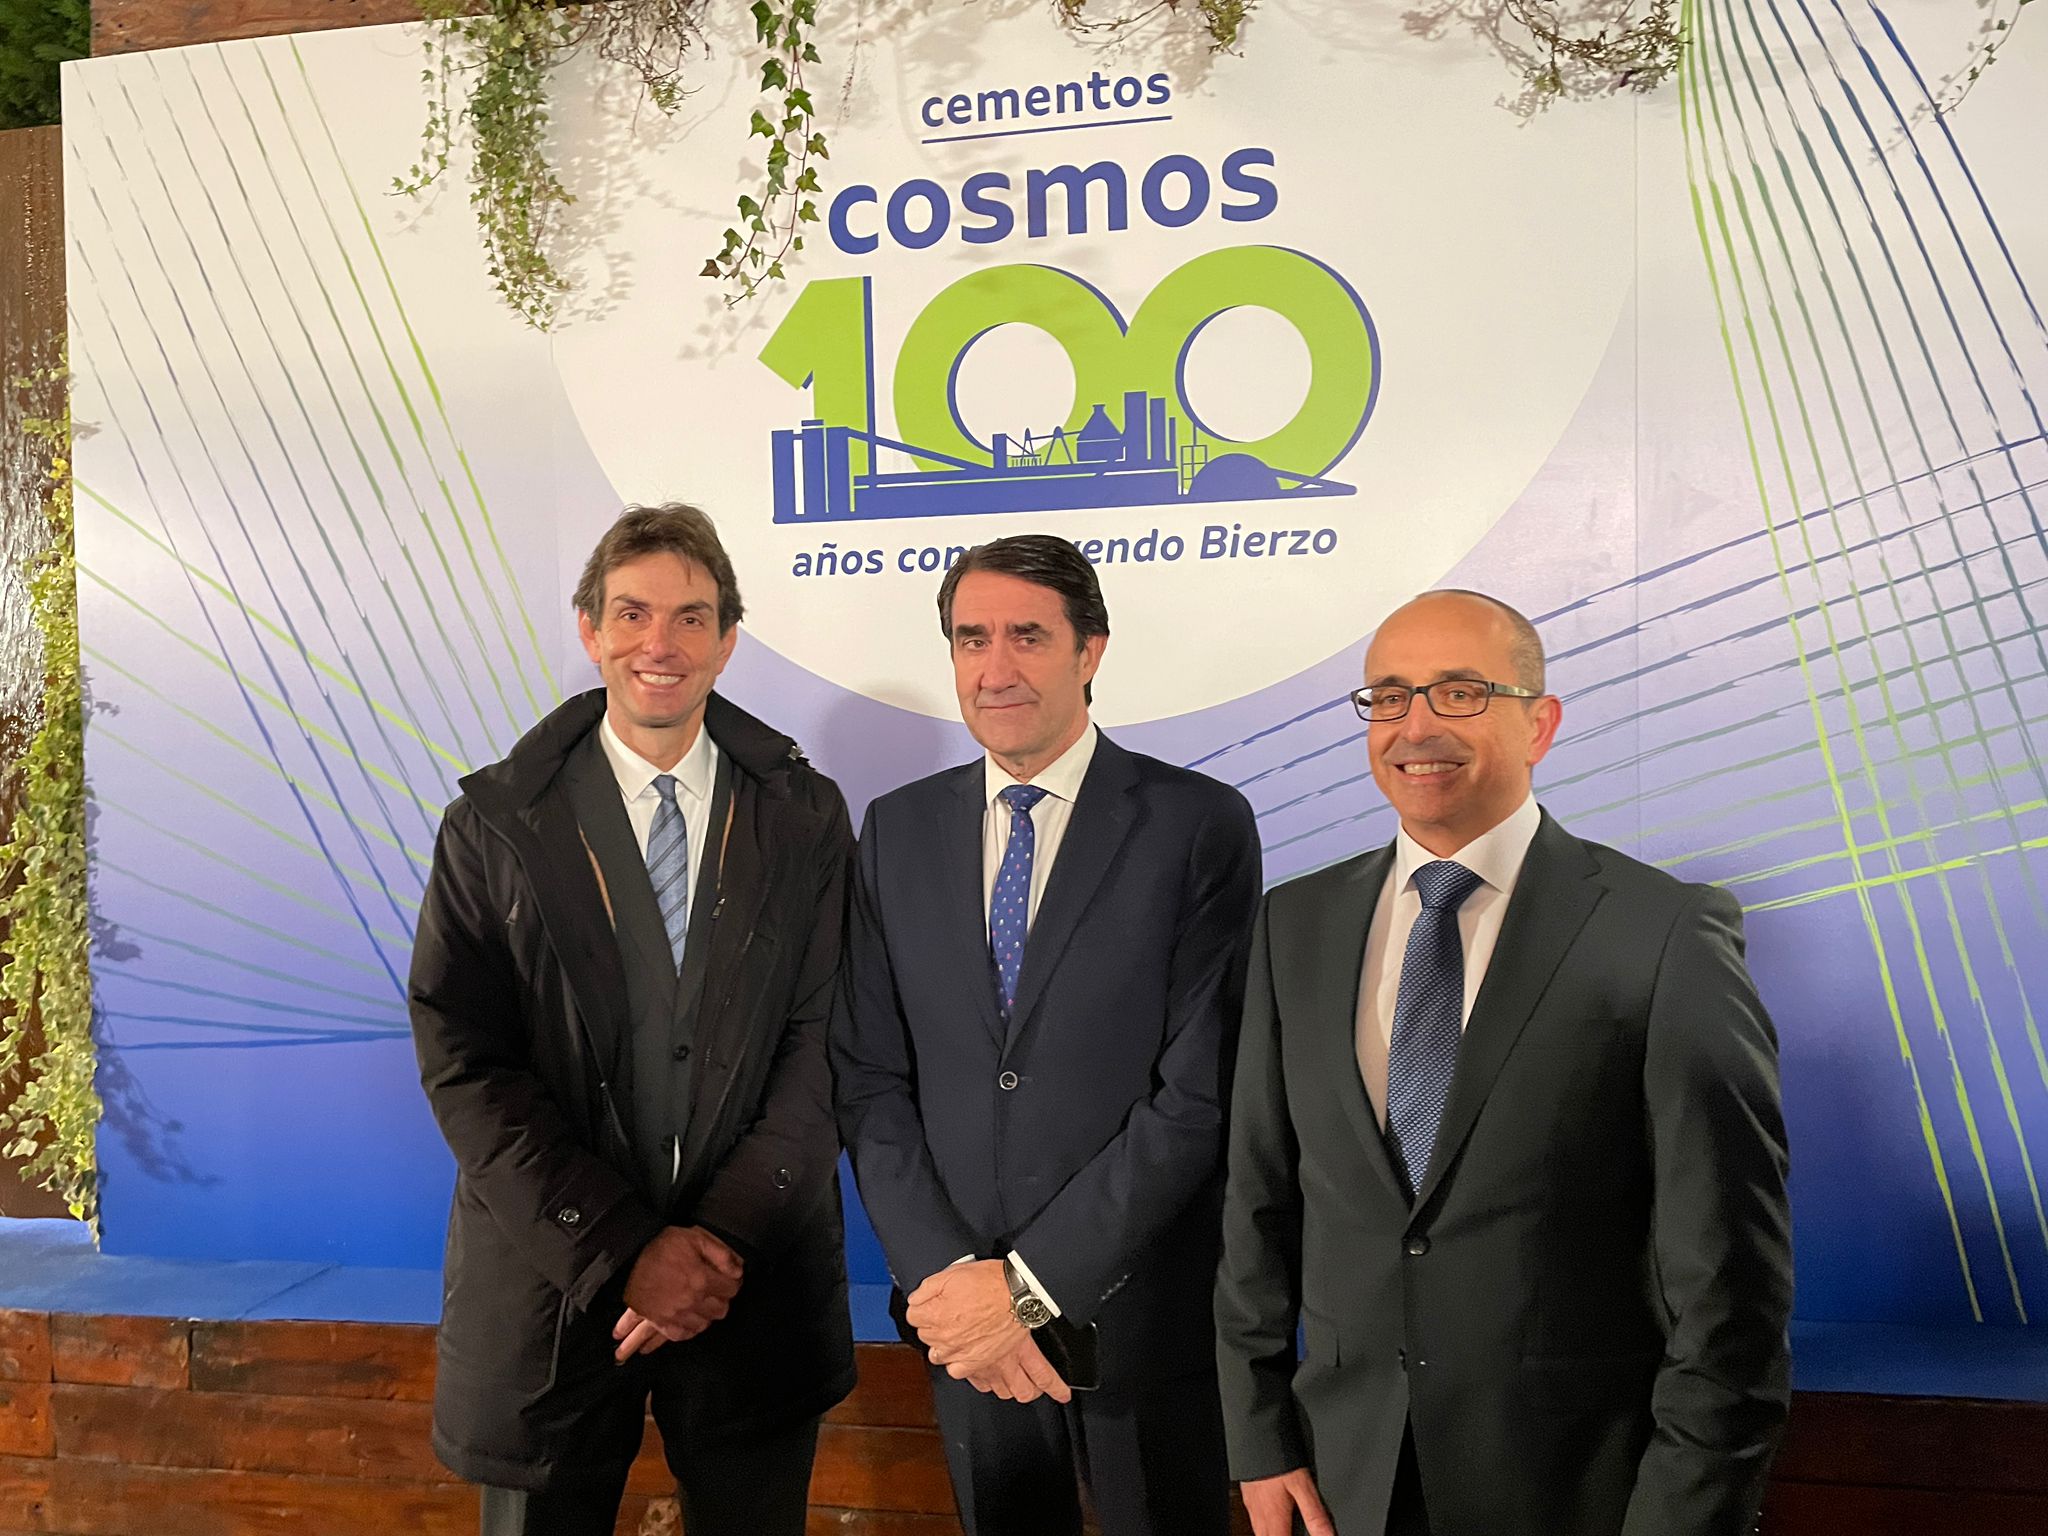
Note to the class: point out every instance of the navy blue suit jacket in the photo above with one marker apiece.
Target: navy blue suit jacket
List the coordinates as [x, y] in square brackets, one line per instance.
[1089, 1134]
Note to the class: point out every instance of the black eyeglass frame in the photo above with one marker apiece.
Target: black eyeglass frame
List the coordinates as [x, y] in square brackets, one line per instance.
[1362, 702]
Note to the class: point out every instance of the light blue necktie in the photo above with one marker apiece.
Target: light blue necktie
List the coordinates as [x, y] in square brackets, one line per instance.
[1429, 1012]
[668, 865]
[1009, 908]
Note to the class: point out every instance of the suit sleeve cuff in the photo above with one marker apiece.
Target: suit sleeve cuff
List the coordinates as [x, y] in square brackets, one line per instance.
[1031, 1280]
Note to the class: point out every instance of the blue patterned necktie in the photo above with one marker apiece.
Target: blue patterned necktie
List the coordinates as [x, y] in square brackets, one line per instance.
[668, 865]
[1429, 1012]
[1009, 907]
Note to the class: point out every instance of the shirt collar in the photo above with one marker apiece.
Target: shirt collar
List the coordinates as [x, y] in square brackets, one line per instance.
[636, 775]
[1495, 855]
[1060, 778]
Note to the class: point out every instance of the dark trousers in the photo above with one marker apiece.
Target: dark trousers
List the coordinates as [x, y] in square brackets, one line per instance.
[738, 1485]
[1407, 1512]
[1152, 1460]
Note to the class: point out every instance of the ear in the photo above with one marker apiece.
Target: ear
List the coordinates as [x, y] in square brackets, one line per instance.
[587, 633]
[1091, 656]
[726, 642]
[1548, 714]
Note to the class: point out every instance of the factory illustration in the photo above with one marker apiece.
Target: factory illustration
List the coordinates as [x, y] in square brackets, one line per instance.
[1141, 463]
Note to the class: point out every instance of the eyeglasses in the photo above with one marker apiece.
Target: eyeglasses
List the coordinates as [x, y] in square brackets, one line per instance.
[1454, 698]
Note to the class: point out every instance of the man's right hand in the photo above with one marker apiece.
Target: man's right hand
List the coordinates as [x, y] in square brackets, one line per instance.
[1024, 1375]
[683, 1282]
[1272, 1501]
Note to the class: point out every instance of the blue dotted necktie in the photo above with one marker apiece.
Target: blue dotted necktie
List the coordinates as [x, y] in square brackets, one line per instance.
[668, 865]
[1429, 1012]
[1009, 907]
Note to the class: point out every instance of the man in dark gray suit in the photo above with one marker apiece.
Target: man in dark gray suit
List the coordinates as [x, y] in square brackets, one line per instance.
[1045, 969]
[1506, 1146]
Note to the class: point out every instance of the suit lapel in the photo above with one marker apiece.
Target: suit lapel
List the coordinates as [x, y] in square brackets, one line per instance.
[1328, 958]
[1554, 895]
[964, 908]
[1096, 830]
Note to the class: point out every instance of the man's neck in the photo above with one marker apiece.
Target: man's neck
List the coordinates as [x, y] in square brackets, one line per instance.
[663, 746]
[1025, 769]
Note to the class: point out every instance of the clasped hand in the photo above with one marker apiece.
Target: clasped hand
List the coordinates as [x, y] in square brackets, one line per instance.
[682, 1283]
[963, 1316]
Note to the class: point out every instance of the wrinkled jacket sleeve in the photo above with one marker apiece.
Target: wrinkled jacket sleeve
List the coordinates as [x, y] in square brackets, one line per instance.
[769, 1184]
[1722, 1234]
[575, 1217]
[876, 1085]
[1258, 1288]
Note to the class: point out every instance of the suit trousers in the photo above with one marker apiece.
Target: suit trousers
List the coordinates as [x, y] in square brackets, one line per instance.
[755, 1484]
[1151, 1458]
[1407, 1511]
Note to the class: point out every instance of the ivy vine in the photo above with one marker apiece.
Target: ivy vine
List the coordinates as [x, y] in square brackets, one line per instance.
[1567, 50]
[1993, 32]
[770, 226]
[1223, 20]
[46, 1045]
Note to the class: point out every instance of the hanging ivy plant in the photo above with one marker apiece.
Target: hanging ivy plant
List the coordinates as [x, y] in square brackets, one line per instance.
[486, 79]
[1223, 20]
[51, 1110]
[1567, 50]
[771, 225]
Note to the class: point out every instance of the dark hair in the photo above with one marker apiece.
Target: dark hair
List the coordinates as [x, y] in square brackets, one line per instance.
[1044, 560]
[1528, 645]
[673, 528]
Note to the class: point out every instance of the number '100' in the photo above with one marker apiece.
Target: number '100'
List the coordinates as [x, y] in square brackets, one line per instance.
[825, 344]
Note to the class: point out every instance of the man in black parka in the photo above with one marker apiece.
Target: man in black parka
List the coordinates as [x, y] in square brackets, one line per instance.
[620, 986]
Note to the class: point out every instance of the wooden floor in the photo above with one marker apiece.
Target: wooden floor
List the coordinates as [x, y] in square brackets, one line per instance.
[132, 1426]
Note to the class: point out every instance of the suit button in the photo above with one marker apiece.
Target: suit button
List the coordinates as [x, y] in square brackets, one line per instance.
[568, 1216]
[1007, 1081]
[1417, 1247]
[682, 1053]
[781, 1178]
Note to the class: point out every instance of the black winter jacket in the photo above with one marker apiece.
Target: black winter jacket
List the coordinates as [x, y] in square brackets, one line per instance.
[518, 1001]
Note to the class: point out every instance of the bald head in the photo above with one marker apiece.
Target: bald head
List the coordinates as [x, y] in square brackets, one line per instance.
[1525, 646]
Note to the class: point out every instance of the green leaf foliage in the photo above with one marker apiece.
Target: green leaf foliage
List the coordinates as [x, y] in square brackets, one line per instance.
[47, 1060]
[35, 37]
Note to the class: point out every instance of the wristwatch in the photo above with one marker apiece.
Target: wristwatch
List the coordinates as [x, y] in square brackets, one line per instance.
[1025, 1304]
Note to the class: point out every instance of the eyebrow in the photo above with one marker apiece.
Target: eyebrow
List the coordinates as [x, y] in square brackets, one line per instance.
[980, 631]
[1450, 675]
[625, 600]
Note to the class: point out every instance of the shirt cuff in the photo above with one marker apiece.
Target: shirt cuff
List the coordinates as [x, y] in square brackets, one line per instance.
[1031, 1280]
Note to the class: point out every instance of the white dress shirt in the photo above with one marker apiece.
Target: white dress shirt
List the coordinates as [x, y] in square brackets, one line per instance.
[1496, 857]
[1061, 781]
[694, 776]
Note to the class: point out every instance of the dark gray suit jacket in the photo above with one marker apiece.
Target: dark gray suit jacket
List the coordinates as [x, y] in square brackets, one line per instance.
[1584, 1315]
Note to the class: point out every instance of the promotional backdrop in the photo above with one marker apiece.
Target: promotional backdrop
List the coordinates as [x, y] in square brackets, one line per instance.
[1735, 388]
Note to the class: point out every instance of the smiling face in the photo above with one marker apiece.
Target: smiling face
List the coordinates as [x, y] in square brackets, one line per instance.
[1451, 780]
[658, 648]
[1017, 670]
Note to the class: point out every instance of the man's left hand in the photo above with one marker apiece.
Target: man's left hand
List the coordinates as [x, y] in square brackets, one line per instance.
[963, 1316]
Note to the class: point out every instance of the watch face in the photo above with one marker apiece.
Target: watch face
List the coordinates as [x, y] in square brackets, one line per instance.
[1032, 1312]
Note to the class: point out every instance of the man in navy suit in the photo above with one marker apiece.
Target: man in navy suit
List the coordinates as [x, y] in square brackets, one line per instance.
[1045, 967]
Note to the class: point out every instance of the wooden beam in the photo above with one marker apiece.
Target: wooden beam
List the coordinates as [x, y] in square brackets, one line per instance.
[128, 26]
